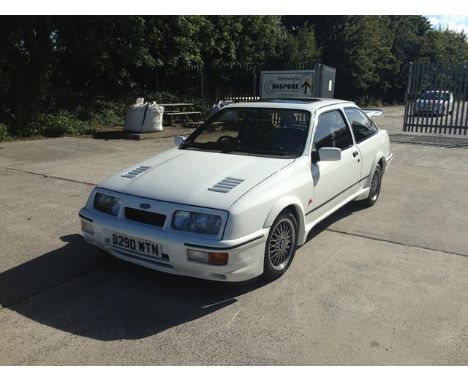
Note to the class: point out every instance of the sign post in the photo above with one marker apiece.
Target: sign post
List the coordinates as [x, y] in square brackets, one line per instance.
[287, 84]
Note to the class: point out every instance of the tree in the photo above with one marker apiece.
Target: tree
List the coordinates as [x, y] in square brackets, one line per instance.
[358, 47]
[26, 47]
[301, 46]
[240, 40]
[446, 47]
[407, 36]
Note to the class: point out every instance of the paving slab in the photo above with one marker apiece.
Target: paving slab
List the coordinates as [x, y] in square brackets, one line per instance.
[346, 300]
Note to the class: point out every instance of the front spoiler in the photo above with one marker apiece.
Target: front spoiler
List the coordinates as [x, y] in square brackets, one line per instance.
[246, 254]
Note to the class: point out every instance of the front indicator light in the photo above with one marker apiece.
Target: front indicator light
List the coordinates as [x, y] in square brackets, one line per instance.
[218, 258]
[212, 258]
[87, 227]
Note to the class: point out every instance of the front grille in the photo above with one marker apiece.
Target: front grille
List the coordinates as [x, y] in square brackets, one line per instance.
[145, 217]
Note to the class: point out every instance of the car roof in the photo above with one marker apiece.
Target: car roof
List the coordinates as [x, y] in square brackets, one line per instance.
[310, 104]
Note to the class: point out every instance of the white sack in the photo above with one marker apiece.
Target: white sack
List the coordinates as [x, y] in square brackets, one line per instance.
[144, 117]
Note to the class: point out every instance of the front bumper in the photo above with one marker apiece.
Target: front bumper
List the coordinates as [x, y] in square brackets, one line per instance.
[246, 254]
[428, 110]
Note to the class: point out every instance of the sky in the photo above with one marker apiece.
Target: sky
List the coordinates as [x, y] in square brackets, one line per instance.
[453, 22]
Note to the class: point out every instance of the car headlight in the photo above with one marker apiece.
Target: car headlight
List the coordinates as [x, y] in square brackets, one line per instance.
[107, 204]
[196, 222]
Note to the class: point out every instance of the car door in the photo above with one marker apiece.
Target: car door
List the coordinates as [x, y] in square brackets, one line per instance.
[365, 132]
[334, 181]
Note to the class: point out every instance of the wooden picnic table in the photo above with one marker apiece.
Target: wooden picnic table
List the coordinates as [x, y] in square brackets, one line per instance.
[180, 104]
[173, 110]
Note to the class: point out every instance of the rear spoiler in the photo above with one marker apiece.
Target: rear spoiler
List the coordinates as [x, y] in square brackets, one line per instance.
[371, 112]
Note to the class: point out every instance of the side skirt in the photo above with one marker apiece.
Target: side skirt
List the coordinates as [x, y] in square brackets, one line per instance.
[357, 195]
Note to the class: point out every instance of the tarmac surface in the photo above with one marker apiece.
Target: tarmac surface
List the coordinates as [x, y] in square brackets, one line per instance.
[386, 285]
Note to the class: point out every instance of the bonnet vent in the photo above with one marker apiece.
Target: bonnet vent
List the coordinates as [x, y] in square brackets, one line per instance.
[226, 185]
[135, 172]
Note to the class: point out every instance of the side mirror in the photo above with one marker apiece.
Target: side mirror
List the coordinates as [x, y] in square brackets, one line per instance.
[329, 154]
[178, 140]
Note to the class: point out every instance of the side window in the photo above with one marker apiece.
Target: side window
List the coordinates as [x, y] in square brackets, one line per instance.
[362, 125]
[332, 131]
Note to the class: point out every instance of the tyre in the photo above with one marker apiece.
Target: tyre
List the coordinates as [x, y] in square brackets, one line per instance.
[374, 191]
[280, 246]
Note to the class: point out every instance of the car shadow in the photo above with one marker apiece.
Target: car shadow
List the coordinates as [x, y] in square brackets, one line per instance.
[109, 299]
[81, 290]
[343, 212]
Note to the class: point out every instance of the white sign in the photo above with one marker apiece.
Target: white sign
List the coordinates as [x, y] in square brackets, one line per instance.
[287, 84]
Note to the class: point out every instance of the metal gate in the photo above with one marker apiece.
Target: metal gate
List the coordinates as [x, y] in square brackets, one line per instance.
[436, 99]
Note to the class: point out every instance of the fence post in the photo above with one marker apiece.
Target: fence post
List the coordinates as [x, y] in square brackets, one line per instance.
[202, 85]
[318, 79]
[254, 85]
[408, 86]
[408, 89]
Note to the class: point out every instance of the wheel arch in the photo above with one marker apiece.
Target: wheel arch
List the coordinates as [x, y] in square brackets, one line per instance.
[293, 204]
[378, 160]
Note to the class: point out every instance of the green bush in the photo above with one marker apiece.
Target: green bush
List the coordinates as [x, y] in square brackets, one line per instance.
[106, 118]
[101, 113]
[4, 136]
[59, 124]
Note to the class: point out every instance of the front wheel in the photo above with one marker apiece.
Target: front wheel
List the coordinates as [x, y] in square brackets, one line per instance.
[280, 246]
[374, 191]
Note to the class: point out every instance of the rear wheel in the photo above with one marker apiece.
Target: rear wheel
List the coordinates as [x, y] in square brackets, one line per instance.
[280, 246]
[374, 191]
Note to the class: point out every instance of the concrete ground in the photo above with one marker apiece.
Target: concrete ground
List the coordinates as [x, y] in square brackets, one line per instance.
[386, 285]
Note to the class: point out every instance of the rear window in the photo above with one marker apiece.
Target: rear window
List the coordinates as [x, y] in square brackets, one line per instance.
[362, 125]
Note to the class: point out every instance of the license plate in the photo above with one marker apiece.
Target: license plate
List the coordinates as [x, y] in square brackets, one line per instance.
[138, 246]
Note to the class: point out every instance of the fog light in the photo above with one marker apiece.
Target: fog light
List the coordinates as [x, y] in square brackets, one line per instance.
[87, 227]
[212, 258]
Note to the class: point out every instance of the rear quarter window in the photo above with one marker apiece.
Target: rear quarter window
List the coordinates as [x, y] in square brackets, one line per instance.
[362, 126]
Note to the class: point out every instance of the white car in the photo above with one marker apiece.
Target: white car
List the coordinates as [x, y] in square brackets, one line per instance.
[237, 197]
[434, 102]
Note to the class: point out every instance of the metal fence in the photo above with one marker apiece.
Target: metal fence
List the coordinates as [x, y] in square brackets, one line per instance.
[436, 99]
[240, 82]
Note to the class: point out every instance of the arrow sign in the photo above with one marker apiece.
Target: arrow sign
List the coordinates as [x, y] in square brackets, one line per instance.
[287, 84]
[306, 86]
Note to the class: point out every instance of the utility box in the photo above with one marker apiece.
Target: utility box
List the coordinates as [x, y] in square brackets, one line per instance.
[317, 82]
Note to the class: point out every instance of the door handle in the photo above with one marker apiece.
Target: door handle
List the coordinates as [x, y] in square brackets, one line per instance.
[355, 154]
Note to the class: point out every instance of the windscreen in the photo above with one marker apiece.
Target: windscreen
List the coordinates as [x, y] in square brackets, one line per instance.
[253, 131]
[435, 96]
